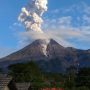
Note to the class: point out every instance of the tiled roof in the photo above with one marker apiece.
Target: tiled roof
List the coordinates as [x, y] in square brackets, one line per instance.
[52, 89]
[22, 86]
[4, 80]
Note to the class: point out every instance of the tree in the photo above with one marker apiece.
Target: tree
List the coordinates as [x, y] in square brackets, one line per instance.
[71, 76]
[1, 70]
[25, 72]
[83, 77]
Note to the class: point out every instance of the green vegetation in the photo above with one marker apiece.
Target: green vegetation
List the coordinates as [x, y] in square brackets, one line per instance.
[83, 77]
[1, 70]
[29, 72]
[25, 72]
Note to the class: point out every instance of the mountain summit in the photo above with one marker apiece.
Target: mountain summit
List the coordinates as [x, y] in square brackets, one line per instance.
[50, 56]
[37, 50]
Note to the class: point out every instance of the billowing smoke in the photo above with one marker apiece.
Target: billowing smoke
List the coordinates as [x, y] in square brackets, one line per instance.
[31, 15]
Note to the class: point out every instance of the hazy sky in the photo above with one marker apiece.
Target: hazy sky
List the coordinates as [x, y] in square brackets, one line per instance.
[68, 20]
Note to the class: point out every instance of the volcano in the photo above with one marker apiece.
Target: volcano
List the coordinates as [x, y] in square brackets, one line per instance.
[49, 55]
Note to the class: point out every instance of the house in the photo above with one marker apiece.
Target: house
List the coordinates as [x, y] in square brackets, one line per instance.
[23, 86]
[52, 89]
[6, 82]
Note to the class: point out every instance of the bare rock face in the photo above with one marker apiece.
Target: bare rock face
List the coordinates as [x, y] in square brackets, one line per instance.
[37, 50]
[49, 55]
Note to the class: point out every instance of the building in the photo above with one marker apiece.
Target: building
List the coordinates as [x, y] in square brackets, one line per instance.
[23, 86]
[6, 82]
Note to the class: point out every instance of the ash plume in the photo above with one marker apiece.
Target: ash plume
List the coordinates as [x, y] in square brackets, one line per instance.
[31, 15]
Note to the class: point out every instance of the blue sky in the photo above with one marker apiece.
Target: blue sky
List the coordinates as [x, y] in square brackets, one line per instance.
[69, 18]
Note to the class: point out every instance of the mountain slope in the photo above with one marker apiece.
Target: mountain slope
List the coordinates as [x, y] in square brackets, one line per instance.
[49, 55]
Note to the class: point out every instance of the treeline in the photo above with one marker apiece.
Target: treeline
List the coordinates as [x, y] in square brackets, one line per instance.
[71, 80]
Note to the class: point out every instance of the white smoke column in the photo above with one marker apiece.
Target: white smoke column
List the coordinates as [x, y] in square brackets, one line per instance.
[31, 15]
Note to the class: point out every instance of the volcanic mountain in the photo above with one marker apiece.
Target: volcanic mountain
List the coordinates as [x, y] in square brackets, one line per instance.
[49, 55]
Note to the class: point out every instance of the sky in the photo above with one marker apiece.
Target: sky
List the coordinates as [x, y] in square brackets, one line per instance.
[67, 21]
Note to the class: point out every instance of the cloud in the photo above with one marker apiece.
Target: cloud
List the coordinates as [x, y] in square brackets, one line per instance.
[31, 15]
[86, 19]
[69, 26]
[56, 11]
[86, 8]
[67, 29]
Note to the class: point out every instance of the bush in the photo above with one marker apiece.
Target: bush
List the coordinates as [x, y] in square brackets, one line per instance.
[25, 72]
[83, 88]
